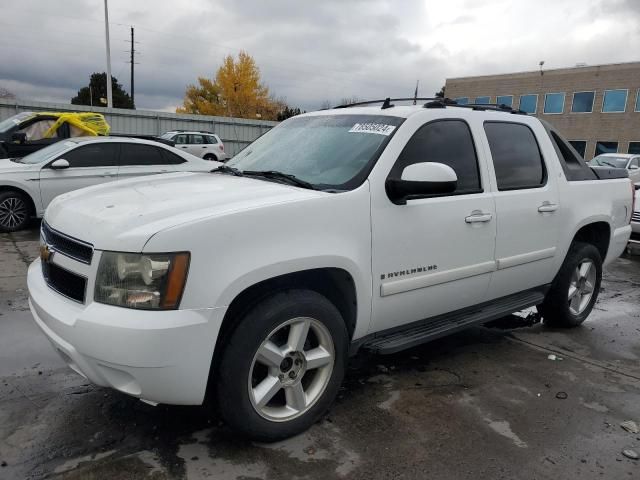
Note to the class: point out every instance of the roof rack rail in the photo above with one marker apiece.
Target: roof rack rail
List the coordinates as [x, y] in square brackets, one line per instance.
[438, 102]
[386, 102]
[498, 107]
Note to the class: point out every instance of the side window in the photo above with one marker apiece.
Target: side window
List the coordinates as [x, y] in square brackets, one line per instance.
[212, 140]
[445, 141]
[180, 139]
[634, 163]
[570, 159]
[197, 139]
[95, 155]
[138, 154]
[171, 158]
[516, 156]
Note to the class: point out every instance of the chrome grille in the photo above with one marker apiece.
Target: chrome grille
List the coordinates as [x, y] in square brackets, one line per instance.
[69, 246]
[635, 217]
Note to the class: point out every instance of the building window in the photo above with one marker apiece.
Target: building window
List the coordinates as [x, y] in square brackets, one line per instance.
[606, 147]
[462, 100]
[614, 101]
[580, 146]
[505, 100]
[582, 102]
[634, 148]
[483, 99]
[529, 103]
[638, 101]
[554, 103]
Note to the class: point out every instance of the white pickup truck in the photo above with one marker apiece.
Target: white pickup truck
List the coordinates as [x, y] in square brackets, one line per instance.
[377, 227]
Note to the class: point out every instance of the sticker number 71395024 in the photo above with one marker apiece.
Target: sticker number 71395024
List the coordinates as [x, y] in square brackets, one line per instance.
[377, 128]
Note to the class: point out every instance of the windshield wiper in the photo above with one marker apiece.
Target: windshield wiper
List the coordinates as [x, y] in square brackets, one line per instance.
[227, 169]
[287, 177]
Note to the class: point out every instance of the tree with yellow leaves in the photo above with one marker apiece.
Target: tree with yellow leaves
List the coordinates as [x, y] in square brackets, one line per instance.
[237, 91]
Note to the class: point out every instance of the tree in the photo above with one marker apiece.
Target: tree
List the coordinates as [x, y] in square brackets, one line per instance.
[237, 91]
[349, 100]
[4, 93]
[98, 90]
[288, 112]
[440, 94]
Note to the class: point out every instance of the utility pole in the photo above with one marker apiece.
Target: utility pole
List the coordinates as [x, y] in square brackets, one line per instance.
[106, 29]
[133, 50]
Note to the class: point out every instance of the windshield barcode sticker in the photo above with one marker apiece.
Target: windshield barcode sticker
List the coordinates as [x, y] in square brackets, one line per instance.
[377, 128]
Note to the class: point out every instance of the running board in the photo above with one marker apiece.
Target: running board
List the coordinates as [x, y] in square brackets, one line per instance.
[393, 341]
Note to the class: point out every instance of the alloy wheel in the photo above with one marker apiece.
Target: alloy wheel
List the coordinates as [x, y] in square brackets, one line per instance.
[291, 369]
[13, 212]
[582, 286]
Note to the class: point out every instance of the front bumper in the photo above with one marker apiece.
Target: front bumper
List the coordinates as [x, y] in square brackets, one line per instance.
[157, 356]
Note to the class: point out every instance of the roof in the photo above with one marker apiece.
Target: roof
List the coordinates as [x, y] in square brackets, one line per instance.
[618, 155]
[106, 139]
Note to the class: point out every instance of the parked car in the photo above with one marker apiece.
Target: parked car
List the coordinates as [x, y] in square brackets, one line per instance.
[28, 185]
[619, 160]
[28, 132]
[205, 145]
[365, 227]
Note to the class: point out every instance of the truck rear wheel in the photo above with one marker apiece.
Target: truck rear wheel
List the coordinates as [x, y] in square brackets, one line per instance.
[282, 366]
[575, 289]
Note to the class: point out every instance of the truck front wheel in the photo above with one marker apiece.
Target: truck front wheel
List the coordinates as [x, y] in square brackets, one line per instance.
[575, 289]
[282, 365]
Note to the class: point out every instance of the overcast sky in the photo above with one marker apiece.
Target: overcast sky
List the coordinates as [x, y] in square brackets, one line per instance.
[308, 51]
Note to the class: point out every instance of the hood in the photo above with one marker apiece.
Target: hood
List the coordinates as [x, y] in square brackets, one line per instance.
[8, 166]
[123, 215]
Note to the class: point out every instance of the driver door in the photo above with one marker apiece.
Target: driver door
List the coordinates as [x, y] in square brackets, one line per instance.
[434, 255]
[89, 165]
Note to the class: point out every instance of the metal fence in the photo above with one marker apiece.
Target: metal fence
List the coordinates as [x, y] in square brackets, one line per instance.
[236, 133]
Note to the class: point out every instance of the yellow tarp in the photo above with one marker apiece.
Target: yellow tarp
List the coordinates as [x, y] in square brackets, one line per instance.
[88, 123]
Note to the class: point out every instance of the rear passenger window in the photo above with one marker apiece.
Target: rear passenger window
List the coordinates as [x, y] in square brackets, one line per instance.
[444, 141]
[516, 156]
[171, 158]
[137, 154]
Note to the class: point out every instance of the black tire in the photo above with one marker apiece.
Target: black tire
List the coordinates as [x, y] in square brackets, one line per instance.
[210, 157]
[232, 378]
[15, 211]
[556, 310]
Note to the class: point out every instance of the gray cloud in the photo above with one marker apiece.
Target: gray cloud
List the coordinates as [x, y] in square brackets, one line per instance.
[308, 52]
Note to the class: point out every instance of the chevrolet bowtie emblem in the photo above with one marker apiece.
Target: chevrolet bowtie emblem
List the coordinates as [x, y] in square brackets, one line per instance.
[46, 253]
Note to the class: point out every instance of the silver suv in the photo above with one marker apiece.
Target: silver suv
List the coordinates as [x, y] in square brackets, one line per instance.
[205, 145]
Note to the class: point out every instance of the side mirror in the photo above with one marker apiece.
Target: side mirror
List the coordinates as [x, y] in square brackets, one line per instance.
[633, 167]
[59, 164]
[422, 180]
[19, 137]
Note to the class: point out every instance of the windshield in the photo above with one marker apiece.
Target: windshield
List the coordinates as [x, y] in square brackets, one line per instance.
[11, 122]
[46, 153]
[168, 135]
[615, 162]
[327, 151]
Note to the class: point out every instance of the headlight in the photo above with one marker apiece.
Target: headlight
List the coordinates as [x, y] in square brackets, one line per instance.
[143, 281]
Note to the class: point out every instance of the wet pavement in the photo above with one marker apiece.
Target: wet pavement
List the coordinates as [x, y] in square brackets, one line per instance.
[486, 403]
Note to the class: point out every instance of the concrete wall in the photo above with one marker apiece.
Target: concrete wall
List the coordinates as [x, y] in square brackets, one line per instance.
[592, 127]
[236, 133]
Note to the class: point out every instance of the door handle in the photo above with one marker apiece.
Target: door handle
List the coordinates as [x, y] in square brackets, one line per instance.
[204, 146]
[184, 146]
[478, 217]
[548, 207]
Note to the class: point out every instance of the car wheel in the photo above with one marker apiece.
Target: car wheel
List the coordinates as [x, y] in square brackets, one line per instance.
[210, 157]
[14, 211]
[575, 289]
[282, 366]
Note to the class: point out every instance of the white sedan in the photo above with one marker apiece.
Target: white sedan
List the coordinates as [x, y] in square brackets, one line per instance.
[28, 184]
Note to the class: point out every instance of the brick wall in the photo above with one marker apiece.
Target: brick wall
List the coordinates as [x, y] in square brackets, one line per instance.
[591, 127]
